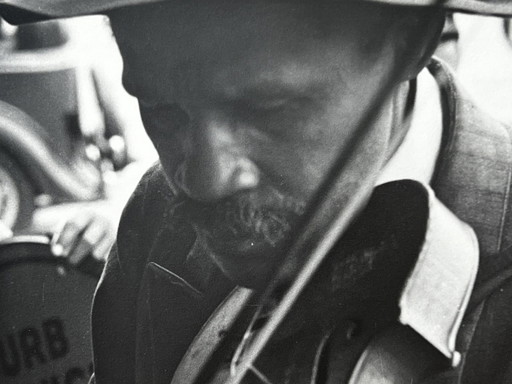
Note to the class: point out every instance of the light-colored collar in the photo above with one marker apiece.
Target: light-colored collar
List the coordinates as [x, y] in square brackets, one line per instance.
[416, 157]
[437, 292]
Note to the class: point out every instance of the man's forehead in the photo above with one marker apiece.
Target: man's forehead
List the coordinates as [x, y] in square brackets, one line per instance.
[182, 16]
[186, 39]
[276, 52]
[228, 27]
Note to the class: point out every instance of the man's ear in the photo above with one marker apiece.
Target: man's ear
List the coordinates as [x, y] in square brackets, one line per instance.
[424, 43]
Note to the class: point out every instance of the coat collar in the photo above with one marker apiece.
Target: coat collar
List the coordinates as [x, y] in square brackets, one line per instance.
[473, 180]
[474, 168]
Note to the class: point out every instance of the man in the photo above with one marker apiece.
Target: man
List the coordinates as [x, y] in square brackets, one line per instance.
[248, 105]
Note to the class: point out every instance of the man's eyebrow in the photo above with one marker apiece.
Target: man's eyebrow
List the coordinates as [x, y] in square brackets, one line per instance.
[272, 90]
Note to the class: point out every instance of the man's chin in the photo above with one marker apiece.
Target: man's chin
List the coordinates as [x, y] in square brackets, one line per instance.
[247, 263]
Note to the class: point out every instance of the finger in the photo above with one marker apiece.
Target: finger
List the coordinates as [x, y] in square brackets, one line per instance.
[87, 242]
[5, 231]
[65, 240]
[102, 248]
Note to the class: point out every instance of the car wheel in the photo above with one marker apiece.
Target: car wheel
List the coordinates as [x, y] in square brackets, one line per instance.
[16, 194]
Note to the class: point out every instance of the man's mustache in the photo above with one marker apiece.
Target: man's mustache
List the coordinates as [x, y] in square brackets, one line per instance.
[266, 215]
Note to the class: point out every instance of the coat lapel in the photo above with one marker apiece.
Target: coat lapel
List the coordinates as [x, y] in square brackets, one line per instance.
[474, 169]
[180, 289]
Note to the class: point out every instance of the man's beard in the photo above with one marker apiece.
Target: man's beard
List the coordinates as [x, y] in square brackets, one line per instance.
[250, 227]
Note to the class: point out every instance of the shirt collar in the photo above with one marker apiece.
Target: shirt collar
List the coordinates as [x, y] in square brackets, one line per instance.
[437, 292]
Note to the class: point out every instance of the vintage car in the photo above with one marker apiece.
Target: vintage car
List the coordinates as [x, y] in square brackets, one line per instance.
[54, 142]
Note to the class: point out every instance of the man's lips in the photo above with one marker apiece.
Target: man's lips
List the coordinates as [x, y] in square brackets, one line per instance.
[243, 252]
[247, 262]
[239, 246]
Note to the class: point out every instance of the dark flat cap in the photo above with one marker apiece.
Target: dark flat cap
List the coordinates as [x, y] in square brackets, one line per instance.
[22, 11]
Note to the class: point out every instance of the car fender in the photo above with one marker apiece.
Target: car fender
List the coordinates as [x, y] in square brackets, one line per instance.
[49, 173]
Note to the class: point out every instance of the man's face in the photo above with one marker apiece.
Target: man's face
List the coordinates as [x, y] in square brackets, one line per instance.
[248, 103]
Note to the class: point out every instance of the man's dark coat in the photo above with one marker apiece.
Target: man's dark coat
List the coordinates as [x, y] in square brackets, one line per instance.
[144, 320]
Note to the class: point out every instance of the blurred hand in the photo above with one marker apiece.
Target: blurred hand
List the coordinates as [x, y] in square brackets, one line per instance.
[86, 233]
[5, 232]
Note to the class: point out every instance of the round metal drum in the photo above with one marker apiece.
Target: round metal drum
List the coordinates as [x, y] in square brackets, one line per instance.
[44, 316]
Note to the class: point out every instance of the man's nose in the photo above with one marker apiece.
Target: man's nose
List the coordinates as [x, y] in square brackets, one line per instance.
[217, 165]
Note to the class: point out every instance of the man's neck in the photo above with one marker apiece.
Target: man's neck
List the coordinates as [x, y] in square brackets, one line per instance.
[416, 156]
[403, 106]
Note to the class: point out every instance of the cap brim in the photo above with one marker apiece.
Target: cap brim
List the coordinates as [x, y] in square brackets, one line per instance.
[483, 7]
[24, 11]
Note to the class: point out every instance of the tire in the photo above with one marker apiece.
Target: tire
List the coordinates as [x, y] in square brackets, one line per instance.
[17, 194]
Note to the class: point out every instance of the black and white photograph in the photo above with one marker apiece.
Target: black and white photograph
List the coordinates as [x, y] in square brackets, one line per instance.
[255, 192]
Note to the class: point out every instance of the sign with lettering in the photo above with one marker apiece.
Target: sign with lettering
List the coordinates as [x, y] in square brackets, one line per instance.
[45, 324]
